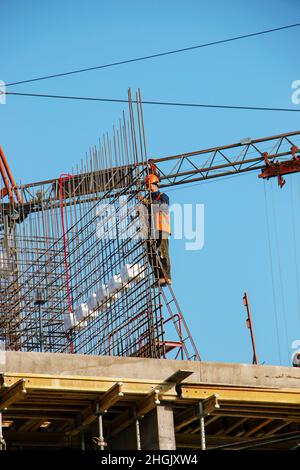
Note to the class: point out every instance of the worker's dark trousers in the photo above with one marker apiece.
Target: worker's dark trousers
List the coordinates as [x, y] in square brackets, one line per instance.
[162, 249]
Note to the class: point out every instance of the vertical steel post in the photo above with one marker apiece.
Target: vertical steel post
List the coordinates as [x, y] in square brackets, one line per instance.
[101, 437]
[137, 432]
[82, 441]
[202, 425]
[2, 441]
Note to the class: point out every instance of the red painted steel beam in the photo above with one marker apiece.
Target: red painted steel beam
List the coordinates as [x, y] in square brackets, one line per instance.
[278, 169]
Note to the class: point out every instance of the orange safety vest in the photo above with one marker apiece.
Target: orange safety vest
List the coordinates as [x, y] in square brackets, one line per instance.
[161, 218]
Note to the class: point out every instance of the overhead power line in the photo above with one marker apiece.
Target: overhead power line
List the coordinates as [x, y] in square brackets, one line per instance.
[157, 103]
[153, 56]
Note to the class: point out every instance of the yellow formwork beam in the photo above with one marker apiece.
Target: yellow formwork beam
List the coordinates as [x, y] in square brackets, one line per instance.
[89, 414]
[241, 394]
[111, 397]
[14, 393]
[148, 403]
[82, 384]
[191, 413]
[80, 389]
[143, 406]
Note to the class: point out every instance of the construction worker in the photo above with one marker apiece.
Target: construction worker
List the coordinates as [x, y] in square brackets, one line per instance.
[160, 230]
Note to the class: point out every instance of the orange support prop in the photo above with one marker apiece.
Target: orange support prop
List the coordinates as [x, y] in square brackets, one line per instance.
[7, 188]
[4, 167]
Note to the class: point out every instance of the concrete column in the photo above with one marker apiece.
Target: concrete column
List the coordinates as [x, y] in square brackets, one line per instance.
[157, 429]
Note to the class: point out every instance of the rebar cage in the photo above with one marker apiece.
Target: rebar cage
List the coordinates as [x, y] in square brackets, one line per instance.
[75, 270]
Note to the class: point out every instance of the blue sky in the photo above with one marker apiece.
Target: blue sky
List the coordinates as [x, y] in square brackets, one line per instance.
[44, 138]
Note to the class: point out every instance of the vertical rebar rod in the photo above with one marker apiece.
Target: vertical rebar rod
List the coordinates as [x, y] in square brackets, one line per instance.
[250, 326]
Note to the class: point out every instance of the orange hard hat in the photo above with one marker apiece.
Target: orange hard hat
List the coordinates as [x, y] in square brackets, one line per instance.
[151, 179]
